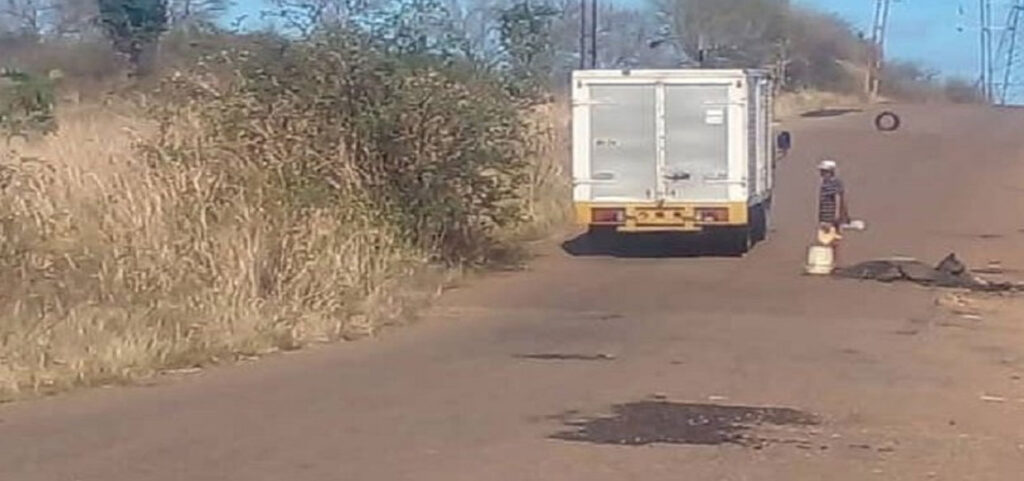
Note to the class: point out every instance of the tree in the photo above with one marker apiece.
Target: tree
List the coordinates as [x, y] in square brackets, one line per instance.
[36, 19]
[412, 27]
[477, 22]
[134, 28]
[26, 18]
[526, 38]
[735, 33]
[304, 18]
[196, 14]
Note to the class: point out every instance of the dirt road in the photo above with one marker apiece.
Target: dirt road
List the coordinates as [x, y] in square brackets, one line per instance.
[613, 368]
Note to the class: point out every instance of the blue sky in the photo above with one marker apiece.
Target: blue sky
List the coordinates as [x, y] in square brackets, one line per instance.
[925, 31]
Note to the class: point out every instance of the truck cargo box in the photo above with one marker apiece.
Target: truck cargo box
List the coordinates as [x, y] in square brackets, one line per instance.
[673, 150]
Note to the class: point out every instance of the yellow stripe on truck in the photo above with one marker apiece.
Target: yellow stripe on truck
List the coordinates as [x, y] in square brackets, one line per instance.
[645, 217]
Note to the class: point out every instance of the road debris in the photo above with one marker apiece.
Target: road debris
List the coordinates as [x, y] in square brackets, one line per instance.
[950, 273]
[887, 121]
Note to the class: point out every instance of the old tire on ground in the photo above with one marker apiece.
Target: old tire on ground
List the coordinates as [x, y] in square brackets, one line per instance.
[887, 121]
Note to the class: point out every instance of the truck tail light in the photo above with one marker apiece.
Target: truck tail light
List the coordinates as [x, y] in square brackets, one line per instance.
[712, 214]
[608, 216]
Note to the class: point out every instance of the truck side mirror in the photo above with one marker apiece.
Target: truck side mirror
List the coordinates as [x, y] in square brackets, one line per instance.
[784, 141]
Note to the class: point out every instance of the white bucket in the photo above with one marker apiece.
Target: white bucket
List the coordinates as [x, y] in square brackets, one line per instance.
[820, 260]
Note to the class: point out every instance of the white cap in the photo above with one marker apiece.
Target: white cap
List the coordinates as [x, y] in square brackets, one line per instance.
[827, 164]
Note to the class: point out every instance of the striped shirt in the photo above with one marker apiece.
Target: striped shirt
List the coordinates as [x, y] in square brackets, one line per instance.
[828, 205]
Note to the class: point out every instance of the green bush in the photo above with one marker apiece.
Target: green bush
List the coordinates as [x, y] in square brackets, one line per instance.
[26, 104]
[438, 152]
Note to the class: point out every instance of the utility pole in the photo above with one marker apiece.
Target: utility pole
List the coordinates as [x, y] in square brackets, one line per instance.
[583, 34]
[878, 29]
[593, 34]
[985, 12]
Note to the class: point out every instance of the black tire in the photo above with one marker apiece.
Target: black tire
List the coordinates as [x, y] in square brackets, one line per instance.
[737, 241]
[758, 223]
[887, 121]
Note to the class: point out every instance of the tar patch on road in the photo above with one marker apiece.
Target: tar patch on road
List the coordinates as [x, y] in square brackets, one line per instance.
[653, 422]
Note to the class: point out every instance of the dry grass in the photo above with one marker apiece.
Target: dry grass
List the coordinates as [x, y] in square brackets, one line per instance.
[549, 190]
[112, 269]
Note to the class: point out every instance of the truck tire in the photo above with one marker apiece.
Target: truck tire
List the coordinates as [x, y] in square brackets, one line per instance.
[737, 241]
[758, 223]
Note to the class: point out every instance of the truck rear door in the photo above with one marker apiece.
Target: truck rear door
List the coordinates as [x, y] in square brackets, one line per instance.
[623, 148]
[696, 142]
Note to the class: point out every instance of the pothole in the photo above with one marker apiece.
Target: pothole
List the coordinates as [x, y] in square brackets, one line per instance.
[664, 422]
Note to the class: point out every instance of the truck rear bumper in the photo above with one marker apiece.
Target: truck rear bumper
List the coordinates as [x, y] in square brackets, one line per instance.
[667, 217]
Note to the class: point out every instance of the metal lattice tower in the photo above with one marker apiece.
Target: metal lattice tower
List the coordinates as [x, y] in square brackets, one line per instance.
[878, 30]
[1006, 62]
[986, 55]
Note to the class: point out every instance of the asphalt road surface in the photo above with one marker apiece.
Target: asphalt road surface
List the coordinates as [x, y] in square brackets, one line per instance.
[633, 367]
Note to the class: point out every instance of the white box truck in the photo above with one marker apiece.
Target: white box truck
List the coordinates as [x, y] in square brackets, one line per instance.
[675, 151]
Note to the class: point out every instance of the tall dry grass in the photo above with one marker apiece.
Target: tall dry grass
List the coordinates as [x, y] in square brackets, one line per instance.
[548, 190]
[113, 268]
[272, 201]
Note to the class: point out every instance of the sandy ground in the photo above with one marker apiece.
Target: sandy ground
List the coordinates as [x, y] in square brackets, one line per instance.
[721, 368]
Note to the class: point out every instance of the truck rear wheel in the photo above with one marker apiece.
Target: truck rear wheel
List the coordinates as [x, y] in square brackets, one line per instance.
[737, 241]
[758, 223]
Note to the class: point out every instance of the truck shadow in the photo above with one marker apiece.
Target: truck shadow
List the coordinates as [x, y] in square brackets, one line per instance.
[647, 245]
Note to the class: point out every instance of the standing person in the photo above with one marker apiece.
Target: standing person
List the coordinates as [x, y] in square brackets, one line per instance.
[832, 213]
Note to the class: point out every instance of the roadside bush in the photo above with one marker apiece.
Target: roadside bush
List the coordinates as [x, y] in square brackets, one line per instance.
[436, 152]
[111, 268]
[26, 104]
[281, 195]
